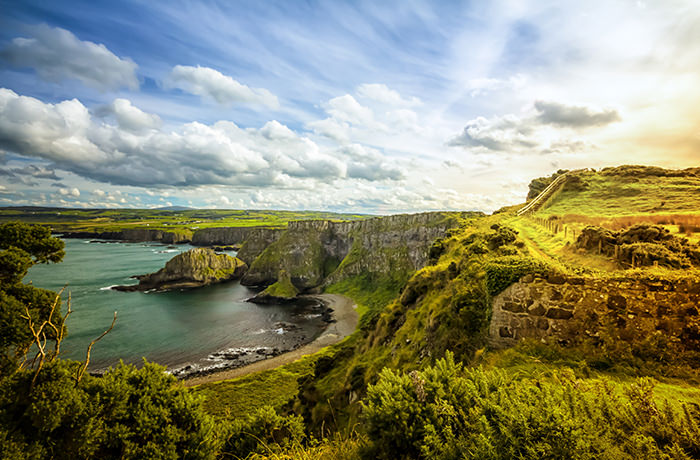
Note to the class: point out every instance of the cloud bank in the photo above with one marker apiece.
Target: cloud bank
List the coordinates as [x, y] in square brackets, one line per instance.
[56, 54]
[136, 152]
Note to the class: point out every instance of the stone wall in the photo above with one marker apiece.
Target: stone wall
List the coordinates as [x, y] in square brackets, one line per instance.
[568, 309]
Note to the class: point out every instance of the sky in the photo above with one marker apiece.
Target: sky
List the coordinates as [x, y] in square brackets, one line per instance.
[350, 106]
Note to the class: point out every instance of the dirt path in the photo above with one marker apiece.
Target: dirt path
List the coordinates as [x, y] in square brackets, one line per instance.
[345, 314]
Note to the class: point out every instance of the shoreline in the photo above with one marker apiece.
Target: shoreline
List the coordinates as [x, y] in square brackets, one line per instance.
[345, 321]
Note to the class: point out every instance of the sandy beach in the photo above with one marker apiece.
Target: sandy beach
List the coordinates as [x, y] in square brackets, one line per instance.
[345, 316]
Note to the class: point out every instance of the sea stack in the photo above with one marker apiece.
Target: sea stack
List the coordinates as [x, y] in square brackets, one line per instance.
[194, 268]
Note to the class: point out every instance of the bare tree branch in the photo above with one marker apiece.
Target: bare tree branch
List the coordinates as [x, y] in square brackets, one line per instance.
[81, 371]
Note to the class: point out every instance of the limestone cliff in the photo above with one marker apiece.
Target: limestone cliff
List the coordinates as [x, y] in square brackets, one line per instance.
[194, 268]
[316, 253]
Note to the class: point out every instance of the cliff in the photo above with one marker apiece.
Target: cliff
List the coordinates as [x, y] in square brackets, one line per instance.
[194, 268]
[224, 236]
[258, 238]
[317, 253]
[136, 234]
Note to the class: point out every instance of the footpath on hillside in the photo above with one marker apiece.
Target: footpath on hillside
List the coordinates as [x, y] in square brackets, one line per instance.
[345, 316]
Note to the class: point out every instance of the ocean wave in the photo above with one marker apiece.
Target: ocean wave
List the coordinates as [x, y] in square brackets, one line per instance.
[107, 288]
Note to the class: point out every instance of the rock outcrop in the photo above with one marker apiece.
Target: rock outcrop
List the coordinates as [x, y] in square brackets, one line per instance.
[320, 252]
[194, 268]
[281, 291]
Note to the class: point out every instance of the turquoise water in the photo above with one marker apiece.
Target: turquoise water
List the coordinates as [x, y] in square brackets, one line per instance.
[172, 328]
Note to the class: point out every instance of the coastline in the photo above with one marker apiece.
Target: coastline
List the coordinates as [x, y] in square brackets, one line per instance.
[345, 321]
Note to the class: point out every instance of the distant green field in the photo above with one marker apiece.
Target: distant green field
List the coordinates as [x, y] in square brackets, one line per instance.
[100, 220]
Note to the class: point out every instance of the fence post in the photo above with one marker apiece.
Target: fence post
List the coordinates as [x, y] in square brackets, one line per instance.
[600, 246]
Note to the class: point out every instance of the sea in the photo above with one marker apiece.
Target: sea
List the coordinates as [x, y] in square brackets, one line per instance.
[191, 331]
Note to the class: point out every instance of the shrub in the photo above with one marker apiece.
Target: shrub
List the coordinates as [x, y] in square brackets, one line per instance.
[263, 431]
[504, 271]
[446, 412]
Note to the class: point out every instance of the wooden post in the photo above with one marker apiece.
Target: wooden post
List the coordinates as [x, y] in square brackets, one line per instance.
[565, 231]
[600, 246]
[617, 252]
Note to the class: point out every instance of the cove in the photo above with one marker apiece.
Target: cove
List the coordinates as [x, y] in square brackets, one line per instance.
[199, 329]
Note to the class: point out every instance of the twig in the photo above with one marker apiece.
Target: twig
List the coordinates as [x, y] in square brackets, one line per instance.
[81, 371]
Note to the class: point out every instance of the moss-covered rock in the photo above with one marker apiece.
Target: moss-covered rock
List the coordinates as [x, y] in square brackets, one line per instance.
[194, 268]
[281, 291]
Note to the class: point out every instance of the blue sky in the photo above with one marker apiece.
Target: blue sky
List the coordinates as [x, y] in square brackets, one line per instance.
[351, 106]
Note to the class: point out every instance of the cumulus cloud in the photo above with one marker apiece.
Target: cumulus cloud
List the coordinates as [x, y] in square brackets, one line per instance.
[212, 84]
[74, 192]
[56, 54]
[129, 117]
[369, 164]
[558, 114]
[346, 108]
[545, 129]
[193, 154]
[383, 94]
[496, 134]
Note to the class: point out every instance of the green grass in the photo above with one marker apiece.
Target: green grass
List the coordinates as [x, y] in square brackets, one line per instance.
[617, 195]
[102, 220]
[283, 288]
[242, 396]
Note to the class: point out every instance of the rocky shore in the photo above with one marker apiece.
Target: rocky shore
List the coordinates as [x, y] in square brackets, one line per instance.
[340, 316]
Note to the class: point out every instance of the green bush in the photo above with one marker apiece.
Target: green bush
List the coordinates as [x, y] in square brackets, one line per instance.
[263, 431]
[129, 413]
[446, 412]
[501, 272]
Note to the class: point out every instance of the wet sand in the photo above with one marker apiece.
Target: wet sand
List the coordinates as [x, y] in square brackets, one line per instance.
[345, 316]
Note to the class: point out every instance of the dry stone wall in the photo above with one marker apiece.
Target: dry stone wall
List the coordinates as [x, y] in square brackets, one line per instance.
[568, 309]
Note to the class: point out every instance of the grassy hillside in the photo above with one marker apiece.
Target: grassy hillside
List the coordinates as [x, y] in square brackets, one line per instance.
[602, 398]
[628, 191]
[102, 220]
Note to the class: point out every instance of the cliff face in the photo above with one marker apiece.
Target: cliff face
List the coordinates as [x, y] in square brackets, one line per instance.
[136, 234]
[225, 236]
[316, 253]
[194, 268]
[257, 240]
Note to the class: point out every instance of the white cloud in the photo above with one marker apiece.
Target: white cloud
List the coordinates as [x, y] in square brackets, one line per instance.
[74, 192]
[346, 108]
[132, 118]
[381, 93]
[546, 128]
[190, 155]
[56, 54]
[212, 84]
[483, 86]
